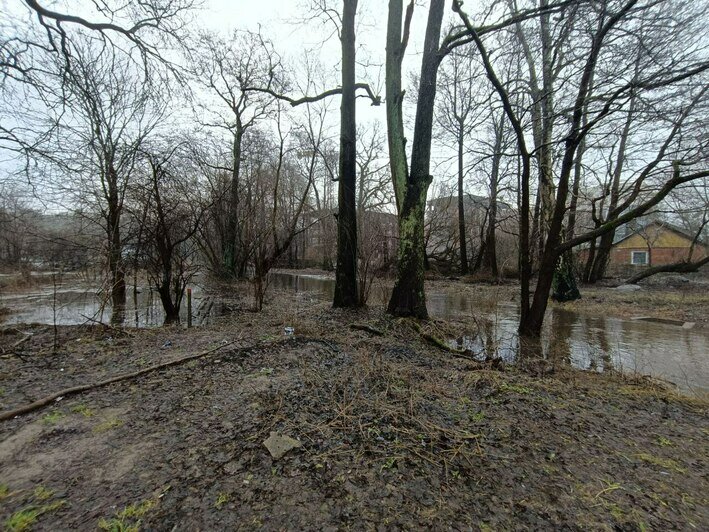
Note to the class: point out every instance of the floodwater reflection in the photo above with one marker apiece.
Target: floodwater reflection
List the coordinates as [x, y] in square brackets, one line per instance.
[75, 306]
[593, 343]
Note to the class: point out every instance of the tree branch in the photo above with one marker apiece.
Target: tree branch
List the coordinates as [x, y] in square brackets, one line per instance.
[376, 100]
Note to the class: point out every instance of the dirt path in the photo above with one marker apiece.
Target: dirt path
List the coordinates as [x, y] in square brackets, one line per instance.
[395, 434]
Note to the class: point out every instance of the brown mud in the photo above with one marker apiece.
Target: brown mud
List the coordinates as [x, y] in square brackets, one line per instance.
[395, 433]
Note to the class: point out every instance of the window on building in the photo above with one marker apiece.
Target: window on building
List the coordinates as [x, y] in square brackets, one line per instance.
[638, 258]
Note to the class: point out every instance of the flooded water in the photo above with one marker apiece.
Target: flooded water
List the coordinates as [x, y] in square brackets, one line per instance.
[74, 305]
[594, 343]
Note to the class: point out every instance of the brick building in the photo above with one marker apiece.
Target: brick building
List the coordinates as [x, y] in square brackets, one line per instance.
[654, 244]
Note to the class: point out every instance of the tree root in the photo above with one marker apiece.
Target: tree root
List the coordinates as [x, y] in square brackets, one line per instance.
[36, 405]
[437, 342]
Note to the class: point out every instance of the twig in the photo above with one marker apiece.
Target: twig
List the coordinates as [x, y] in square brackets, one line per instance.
[15, 346]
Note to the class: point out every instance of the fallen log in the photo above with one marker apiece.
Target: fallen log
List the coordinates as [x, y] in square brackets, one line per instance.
[677, 267]
[36, 405]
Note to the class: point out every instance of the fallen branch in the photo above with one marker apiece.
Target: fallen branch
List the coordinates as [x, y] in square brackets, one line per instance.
[437, 342]
[117, 330]
[20, 342]
[36, 405]
[11, 352]
[677, 267]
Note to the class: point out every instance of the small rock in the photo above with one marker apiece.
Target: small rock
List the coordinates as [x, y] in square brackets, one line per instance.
[628, 288]
[278, 445]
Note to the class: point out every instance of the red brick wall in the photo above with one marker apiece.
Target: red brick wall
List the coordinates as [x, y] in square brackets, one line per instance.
[620, 258]
[658, 256]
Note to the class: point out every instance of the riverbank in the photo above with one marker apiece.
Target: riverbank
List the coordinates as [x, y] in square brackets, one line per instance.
[684, 302]
[391, 431]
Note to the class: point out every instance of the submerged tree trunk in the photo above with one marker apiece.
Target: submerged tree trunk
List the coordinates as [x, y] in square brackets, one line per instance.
[408, 297]
[346, 272]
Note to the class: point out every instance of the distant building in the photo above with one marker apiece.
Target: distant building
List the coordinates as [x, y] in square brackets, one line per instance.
[655, 244]
[317, 244]
[652, 244]
[442, 233]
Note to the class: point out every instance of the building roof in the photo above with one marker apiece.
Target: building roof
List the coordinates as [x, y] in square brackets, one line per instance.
[632, 231]
[474, 199]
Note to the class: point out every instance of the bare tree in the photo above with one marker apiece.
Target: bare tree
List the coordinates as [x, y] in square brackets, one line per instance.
[653, 182]
[374, 198]
[227, 68]
[411, 185]
[459, 113]
[98, 140]
[169, 210]
[37, 34]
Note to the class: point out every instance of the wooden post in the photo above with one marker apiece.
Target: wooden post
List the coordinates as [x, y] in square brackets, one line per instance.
[189, 308]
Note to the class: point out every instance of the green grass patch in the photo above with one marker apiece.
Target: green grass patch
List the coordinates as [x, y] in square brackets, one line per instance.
[664, 442]
[42, 494]
[25, 518]
[107, 425]
[53, 417]
[514, 388]
[222, 499]
[666, 463]
[83, 410]
[128, 519]
[477, 417]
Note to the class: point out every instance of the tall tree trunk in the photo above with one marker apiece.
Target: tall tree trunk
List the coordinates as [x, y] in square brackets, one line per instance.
[603, 252]
[489, 262]
[408, 297]
[115, 251]
[172, 313]
[531, 324]
[461, 205]
[231, 237]
[546, 107]
[346, 272]
[590, 259]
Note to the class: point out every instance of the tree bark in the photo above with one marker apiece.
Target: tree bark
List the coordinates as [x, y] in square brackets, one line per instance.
[489, 262]
[231, 237]
[115, 251]
[461, 205]
[408, 297]
[346, 271]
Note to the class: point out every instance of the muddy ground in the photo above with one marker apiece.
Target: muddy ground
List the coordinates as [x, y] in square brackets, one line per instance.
[395, 433]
